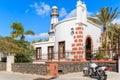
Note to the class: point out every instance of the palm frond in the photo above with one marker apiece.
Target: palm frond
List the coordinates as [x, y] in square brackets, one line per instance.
[18, 29]
[94, 20]
[29, 32]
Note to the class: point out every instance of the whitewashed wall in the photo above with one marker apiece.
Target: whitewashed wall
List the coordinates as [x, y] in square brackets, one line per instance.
[44, 47]
[63, 33]
[94, 32]
[63, 30]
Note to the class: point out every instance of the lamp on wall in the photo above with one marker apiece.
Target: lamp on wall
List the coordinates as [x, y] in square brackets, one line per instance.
[72, 31]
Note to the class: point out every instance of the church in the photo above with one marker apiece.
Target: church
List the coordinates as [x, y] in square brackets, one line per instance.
[75, 38]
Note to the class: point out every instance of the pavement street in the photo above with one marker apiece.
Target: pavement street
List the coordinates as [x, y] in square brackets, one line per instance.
[79, 76]
[70, 76]
[17, 76]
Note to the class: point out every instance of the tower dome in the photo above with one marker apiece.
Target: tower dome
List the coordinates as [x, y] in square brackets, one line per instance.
[54, 7]
[54, 11]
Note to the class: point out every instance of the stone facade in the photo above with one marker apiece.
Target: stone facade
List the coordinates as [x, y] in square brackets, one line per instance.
[69, 67]
[64, 67]
[112, 66]
[29, 68]
[77, 46]
[2, 66]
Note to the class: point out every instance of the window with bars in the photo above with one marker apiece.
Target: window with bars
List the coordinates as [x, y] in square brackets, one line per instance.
[38, 53]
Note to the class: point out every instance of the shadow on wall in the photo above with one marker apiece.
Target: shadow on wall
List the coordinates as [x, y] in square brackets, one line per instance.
[3, 59]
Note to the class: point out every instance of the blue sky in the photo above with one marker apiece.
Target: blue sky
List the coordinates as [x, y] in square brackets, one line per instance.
[35, 14]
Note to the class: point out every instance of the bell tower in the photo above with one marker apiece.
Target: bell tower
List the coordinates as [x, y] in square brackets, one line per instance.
[78, 42]
[54, 16]
[54, 20]
[81, 12]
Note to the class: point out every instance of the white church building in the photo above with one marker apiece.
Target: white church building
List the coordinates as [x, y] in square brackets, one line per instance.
[70, 39]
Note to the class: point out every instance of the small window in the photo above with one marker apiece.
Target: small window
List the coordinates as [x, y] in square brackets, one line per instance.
[50, 52]
[38, 53]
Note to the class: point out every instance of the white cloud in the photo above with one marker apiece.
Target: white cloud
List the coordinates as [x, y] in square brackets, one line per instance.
[116, 21]
[89, 14]
[27, 10]
[63, 12]
[41, 8]
[41, 36]
[71, 14]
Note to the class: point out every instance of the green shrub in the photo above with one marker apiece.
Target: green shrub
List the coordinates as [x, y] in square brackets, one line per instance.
[103, 44]
[23, 58]
[100, 55]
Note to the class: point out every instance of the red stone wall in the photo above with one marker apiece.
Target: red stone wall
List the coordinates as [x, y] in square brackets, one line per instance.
[77, 45]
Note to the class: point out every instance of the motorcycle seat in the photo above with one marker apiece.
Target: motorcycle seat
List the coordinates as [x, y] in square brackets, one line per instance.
[97, 67]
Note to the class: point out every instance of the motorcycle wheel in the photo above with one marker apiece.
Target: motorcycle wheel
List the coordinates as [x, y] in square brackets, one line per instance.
[86, 73]
[102, 76]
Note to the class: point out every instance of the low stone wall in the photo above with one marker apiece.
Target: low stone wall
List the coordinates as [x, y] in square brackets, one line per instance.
[77, 66]
[2, 66]
[63, 67]
[29, 68]
[71, 67]
[113, 65]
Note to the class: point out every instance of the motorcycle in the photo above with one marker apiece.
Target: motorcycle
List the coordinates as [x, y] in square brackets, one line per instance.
[93, 70]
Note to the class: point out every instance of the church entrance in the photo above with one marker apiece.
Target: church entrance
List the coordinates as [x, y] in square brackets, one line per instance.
[88, 48]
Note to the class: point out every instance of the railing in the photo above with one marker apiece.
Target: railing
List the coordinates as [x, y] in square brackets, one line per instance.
[68, 55]
[80, 55]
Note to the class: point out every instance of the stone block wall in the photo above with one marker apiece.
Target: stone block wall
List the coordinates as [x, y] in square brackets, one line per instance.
[41, 69]
[69, 67]
[64, 67]
[77, 45]
[29, 68]
[111, 66]
[2, 66]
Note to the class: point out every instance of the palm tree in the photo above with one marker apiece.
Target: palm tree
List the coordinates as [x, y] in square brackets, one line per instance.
[9, 45]
[104, 18]
[113, 32]
[14, 47]
[18, 31]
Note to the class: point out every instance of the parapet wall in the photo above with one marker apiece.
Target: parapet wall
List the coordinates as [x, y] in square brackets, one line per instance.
[63, 67]
[77, 66]
[30, 68]
[113, 65]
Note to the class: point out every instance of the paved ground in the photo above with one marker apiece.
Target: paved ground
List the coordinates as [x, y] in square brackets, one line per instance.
[79, 76]
[70, 76]
[17, 76]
